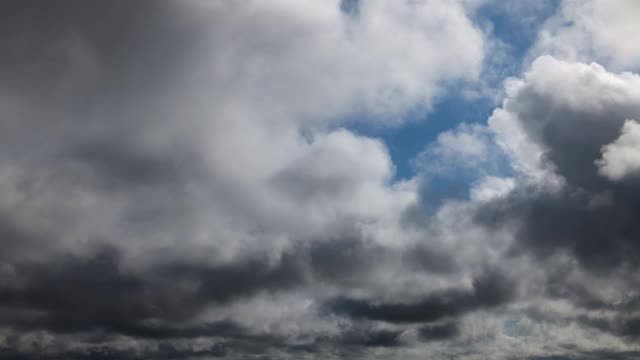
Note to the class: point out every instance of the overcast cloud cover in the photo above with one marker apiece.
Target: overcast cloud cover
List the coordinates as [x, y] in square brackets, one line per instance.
[197, 179]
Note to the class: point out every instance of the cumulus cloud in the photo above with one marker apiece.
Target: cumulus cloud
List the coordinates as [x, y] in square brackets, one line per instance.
[558, 116]
[468, 146]
[570, 128]
[598, 30]
[490, 188]
[622, 157]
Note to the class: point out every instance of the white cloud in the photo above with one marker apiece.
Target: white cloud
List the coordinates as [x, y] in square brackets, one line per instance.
[559, 114]
[621, 158]
[594, 30]
[312, 61]
[468, 147]
[491, 188]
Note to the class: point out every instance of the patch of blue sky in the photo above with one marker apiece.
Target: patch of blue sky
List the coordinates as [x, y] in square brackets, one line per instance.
[350, 7]
[422, 128]
[505, 22]
[406, 142]
[512, 27]
[516, 327]
[446, 176]
[515, 23]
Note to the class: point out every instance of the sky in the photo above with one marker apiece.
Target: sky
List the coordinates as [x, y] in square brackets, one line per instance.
[330, 179]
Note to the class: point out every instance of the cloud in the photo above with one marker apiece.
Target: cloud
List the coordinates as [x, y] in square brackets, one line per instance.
[373, 338]
[594, 30]
[491, 187]
[438, 332]
[563, 108]
[561, 224]
[586, 214]
[489, 290]
[461, 163]
[73, 294]
[201, 121]
[469, 147]
[621, 157]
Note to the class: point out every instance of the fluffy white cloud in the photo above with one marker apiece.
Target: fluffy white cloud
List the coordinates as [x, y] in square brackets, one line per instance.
[313, 61]
[555, 119]
[468, 148]
[491, 188]
[594, 30]
[622, 157]
[467, 141]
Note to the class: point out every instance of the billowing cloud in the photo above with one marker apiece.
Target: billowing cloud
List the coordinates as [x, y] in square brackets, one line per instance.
[621, 158]
[570, 127]
[565, 127]
[466, 147]
[594, 30]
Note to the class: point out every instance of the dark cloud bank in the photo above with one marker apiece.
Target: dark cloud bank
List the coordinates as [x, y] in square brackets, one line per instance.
[158, 202]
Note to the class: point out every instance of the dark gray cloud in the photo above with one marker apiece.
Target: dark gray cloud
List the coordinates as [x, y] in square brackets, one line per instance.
[163, 351]
[96, 296]
[627, 326]
[489, 290]
[602, 238]
[587, 355]
[438, 332]
[71, 294]
[344, 260]
[119, 165]
[370, 338]
[431, 259]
